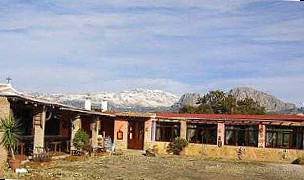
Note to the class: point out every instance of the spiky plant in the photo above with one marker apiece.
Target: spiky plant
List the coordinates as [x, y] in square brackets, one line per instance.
[11, 133]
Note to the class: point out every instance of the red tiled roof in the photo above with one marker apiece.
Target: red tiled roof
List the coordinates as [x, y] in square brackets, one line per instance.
[229, 116]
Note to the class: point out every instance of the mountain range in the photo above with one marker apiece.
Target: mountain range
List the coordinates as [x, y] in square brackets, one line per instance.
[270, 102]
[146, 100]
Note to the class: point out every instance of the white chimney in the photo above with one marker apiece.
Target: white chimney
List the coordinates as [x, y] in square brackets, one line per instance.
[104, 105]
[88, 103]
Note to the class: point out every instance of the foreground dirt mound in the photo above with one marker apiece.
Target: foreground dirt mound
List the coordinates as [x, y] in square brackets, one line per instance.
[299, 160]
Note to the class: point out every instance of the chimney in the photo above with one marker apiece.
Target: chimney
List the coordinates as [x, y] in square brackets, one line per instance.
[104, 105]
[88, 103]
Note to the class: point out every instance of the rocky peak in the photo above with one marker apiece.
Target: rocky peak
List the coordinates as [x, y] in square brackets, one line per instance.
[271, 103]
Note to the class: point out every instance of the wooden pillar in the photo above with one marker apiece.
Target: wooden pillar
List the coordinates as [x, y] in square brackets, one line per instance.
[39, 127]
[76, 125]
[262, 135]
[220, 134]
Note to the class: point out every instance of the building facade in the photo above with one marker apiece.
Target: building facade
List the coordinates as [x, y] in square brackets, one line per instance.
[264, 137]
[50, 124]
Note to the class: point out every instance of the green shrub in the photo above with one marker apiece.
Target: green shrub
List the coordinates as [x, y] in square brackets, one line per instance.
[11, 134]
[81, 139]
[177, 145]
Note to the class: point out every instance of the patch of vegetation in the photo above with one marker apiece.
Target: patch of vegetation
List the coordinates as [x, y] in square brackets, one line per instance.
[11, 134]
[177, 145]
[149, 153]
[81, 139]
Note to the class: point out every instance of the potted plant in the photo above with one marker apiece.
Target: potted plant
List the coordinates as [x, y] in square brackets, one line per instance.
[11, 133]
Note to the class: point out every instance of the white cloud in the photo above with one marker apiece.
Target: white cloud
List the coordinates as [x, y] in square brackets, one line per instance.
[179, 46]
[287, 88]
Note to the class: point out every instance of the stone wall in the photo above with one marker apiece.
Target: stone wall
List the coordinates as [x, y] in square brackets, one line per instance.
[76, 125]
[183, 129]
[220, 134]
[231, 152]
[4, 112]
[147, 142]
[121, 126]
[39, 129]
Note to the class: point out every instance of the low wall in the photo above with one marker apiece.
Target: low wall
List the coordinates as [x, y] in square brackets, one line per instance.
[231, 152]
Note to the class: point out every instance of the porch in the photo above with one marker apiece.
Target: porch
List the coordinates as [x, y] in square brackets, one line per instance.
[49, 128]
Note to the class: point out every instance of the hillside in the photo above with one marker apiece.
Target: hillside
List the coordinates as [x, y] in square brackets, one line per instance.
[145, 100]
[271, 103]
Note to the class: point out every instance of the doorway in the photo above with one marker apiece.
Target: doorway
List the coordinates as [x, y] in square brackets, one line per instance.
[136, 135]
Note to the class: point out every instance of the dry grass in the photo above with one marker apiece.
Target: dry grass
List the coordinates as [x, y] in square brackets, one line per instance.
[133, 165]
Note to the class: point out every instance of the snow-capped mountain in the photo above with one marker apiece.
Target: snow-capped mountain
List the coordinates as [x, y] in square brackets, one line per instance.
[136, 100]
[145, 100]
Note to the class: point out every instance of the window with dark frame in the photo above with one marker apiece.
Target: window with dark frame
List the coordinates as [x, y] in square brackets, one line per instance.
[202, 133]
[241, 135]
[167, 131]
[284, 137]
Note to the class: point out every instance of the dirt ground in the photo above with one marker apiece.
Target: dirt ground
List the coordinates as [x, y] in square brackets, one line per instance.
[133, 165]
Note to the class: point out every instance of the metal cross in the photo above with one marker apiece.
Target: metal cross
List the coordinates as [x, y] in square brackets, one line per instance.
[8, 79]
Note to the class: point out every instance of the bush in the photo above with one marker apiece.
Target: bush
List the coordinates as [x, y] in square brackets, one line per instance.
[81, 139]
[149, 153]
[155, 149]
[177, 145]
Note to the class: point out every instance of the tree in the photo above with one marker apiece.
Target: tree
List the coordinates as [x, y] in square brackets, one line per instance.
[249, 106]
[188, 109]
[230, 104]
[204, 109]
[214, 100]
[217, 102]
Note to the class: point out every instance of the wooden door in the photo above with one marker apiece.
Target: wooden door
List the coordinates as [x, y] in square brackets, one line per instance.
[136, 135]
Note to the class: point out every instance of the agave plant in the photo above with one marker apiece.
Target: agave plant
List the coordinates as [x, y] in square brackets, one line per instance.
[11, 134]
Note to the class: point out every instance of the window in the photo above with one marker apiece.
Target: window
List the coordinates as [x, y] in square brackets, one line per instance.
[167, 131]
[241, 135]
[202, 133]
[284, 137]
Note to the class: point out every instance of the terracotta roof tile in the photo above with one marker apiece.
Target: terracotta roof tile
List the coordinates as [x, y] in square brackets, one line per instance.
[228, 116]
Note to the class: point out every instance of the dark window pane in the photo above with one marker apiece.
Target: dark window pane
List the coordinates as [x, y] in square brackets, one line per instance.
[202, 133]
[241, 135]
[284, 137]
[167, 131]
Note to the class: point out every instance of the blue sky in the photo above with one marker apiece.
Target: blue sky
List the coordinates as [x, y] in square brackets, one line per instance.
[175, 45]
